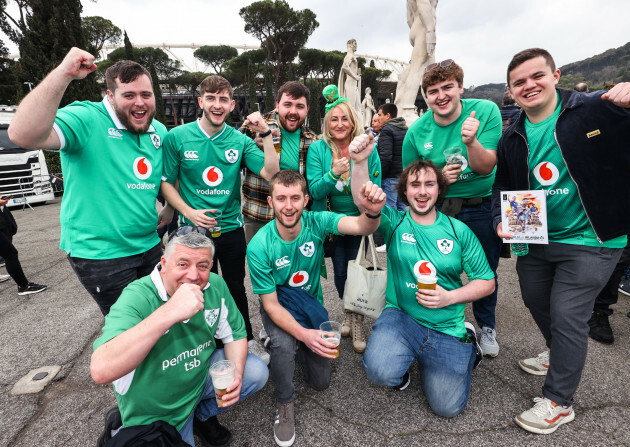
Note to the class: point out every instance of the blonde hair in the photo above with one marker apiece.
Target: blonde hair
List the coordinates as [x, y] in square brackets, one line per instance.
[357, 129]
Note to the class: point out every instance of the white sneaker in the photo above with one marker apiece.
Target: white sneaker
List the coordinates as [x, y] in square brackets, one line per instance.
[545, 416]
[488, 342]
[537, 366]
[253, 347]
[381, 248]
[4, 278]
[262, 335]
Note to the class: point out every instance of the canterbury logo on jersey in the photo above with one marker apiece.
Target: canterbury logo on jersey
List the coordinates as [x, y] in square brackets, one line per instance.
[114, 133]
[282, 262]
[408, 238]
[191, 155]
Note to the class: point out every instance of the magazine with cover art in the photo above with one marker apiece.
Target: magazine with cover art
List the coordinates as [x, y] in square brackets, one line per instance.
[524, 214]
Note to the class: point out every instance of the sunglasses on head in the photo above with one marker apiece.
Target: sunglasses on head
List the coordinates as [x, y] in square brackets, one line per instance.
[189, 229]
[444, 63]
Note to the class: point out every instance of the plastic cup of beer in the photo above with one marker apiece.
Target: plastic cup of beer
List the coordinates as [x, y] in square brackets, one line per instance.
[215, 231]
[331, 332]
[427, 282]
[453, 156]
[222, 374]
[277, 142]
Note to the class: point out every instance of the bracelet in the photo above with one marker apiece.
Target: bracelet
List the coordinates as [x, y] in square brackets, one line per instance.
[332, 176]
[371, 216]
[265, 134]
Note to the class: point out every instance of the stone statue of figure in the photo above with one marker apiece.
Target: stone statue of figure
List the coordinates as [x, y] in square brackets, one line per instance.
[368, 107]
[421, 21]
[350, 79]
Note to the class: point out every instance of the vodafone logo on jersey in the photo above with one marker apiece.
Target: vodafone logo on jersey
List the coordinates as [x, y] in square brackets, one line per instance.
[423, 267]
[298, 279]
[212, 176]
[142, 168]
[546, 173]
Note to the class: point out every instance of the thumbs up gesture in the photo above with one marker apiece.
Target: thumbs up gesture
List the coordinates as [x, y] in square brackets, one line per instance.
[470, 128]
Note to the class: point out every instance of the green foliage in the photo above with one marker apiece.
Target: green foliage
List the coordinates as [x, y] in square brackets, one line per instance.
[372, 77]
[99, 31]
[319, 64]
[281, 30]
[166, 68]
[14, 27]
[491, 92]
[216, 56]
[237, 70]
[190, 81]
[129, 55]
[9, 86]
[611, 65]
[253, 94]
[270, 102]
[157, 91]
[53, 28]
[314, 113]
[53, 161]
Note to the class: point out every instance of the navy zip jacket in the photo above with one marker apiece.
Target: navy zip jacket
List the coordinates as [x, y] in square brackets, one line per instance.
[594, 138]
[389, 147]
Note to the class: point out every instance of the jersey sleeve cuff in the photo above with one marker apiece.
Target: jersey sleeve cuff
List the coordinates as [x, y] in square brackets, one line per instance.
[62, 139]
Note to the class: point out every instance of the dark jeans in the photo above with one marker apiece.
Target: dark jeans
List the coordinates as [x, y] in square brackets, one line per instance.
[559, 283]
[478, 218]
[283, 350]
[105, 279]
[10, 255]
[230, 251]
[346, 250]
[609, 294]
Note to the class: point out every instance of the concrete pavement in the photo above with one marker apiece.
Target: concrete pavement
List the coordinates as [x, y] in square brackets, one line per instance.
[58, 326]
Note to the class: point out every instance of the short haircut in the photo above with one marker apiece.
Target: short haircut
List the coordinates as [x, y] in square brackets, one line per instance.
[357, 127]
[295, 90]
[581, 87]
[525, 55]
[215, 84]
[441, 74]
[414, 169]
[190, 240]
[126, 72]
[389, 109]
[288, 177]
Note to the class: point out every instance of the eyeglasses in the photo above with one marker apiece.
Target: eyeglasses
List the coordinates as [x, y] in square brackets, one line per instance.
[189, 229]
[444, 63]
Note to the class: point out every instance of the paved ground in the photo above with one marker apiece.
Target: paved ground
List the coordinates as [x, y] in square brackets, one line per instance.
[57, 327]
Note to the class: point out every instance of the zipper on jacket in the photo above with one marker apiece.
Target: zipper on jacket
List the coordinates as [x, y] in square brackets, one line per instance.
[555, 136]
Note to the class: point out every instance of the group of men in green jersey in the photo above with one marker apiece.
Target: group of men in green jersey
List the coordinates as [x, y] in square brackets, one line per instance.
[162, 329]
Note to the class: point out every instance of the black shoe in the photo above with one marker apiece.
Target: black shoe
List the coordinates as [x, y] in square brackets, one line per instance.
[212, 433]
[600, 328]
[31, 287]
[406, 380]
[113, 420]
[624, 285]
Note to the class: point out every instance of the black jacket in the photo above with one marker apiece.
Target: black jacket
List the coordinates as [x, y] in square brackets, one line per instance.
[594, 139]
[390, 142]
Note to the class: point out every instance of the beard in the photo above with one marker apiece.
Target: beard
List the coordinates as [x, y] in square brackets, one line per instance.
[125, 118]
[281, 221]
[284, 121]
[412, 207]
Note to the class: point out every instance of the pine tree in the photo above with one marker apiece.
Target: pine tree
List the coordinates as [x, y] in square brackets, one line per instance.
[270, 102]
[128, 48]
[157, 91]
[53, 28]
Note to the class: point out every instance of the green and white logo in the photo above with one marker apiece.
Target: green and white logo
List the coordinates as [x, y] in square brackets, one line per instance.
[211, 316]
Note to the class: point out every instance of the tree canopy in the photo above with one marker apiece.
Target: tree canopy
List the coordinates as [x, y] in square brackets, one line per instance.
[99, 31]
[281, 30]
[216, 56]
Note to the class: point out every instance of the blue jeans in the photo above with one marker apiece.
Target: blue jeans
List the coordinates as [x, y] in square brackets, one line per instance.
[255, 377]
[445, 362]
[478, 218]
[105, 279]
[346, 250]
[393, 200]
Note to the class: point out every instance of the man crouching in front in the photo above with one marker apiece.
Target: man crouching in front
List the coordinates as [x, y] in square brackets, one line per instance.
[158, 345]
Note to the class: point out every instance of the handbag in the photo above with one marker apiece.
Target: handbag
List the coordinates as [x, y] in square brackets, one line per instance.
[366, 283]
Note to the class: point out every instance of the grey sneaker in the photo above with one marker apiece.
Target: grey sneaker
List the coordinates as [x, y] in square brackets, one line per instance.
[4, 278]
[545, 416]
[624, 285]
[253, 347]
[284, 427]
[537, 366]
[488, 342]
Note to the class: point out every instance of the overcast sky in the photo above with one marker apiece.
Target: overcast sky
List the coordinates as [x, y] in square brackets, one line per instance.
[481, 36]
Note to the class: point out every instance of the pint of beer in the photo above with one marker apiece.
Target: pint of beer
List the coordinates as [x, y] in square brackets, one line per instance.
[331, 332]
[215, 231]
[222, 374]
[427, 282]
[277, 143]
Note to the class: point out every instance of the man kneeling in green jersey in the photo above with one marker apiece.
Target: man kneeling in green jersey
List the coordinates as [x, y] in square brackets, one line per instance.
[159, 341]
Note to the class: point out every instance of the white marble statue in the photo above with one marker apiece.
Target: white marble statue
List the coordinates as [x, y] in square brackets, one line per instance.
[350, 78]
[368, 107]
[421, 21]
